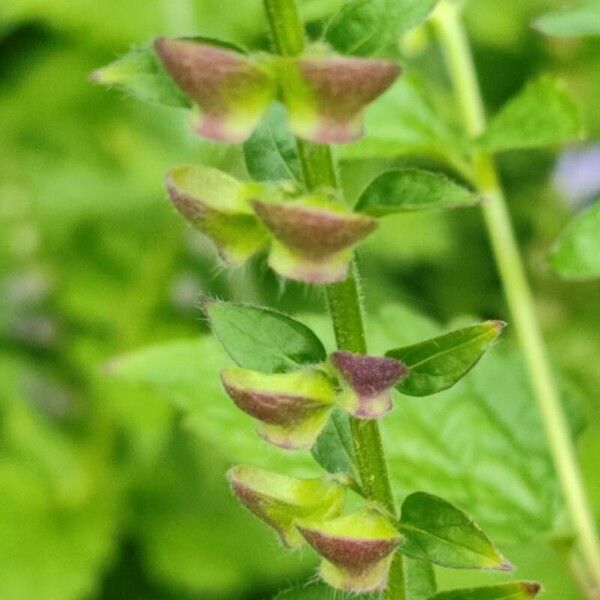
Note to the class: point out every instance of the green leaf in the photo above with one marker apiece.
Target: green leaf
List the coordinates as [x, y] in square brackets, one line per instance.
[542, 114]
[141, 74]
[577, 251]
[405, 120]
[405, 190]
[367, 27]
[441, 533]
[438, 363]
[320, 591]
[263, 339]
[578, 19]
[419, 579]
[522, 590]
[270, 152]
[333, 449]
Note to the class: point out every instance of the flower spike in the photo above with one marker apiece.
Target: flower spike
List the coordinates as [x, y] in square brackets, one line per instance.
[326, 95]
[314, 238]
[215, 203]
[279, 500]
[232, 90]
[368, 382]
[292, 408]
[357, 549]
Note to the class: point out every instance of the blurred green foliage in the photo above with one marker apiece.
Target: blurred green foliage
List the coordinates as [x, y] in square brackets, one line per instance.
[105, 492]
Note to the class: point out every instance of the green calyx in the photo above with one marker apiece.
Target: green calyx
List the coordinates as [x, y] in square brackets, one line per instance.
[216, 204]
[357, 549]
[292, 408]
[280, 500]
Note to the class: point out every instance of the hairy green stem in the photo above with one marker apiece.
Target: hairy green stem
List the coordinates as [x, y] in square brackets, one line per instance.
[455, 44]
[319, 170]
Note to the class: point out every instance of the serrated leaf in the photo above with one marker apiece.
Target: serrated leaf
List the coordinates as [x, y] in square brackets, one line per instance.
[577, 251]
[404, 190]
[439, 532]
[270, 152]
[403, 121]
[542, 114]
[263, 339]
[141, 74]
[333, 449]
[578, 19]
[437, 364]
[522, 590]
[367, 27]
[419, 578]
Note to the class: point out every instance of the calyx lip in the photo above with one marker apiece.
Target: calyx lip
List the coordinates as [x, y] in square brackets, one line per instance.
[231, 91]
[368, 380]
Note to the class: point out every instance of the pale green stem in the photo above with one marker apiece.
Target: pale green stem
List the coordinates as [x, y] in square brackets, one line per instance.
[344, 298]
[455, 44]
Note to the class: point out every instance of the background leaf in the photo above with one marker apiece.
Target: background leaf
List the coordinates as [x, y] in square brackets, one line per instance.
[320, 591]
[439, 532]
[542, 114]
[366, 27]
[270, 152]
[437, 364]
[578, 19]
[405, 190]
[419, 579]
[263, 339]
[507, 591]
[577, 251]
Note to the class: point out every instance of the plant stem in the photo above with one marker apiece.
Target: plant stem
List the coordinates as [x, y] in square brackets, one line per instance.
[455, 44]
[319, 170]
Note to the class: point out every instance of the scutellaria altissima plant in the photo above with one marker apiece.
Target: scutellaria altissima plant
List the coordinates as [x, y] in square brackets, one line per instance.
[288, 108]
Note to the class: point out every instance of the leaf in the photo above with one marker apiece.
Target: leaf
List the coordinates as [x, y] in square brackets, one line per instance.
[438, 363]
[320, 591]
[578, 19]
[333, 449]
[542, 114]
[405, 120]
[270, 152]
[367, 27]
[441, 533]
[403, 190]
[263, 339]
[141, 74]
[577, 251]
[419, 579]
[509, 591]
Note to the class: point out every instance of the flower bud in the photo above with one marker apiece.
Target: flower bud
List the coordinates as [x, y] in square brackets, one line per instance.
[292, 408]
[215, 203]
[314, 238]
[357, 549]
[368, 383]
[232, 91]
[279, 500]
[326, 95]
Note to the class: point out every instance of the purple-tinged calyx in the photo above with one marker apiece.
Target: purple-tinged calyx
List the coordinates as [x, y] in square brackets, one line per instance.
[293, 408]
[357, 549]
[367, 383]
[231, 90]
[280, 500]
[314, 237]
[217, 205]
[326, 95]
